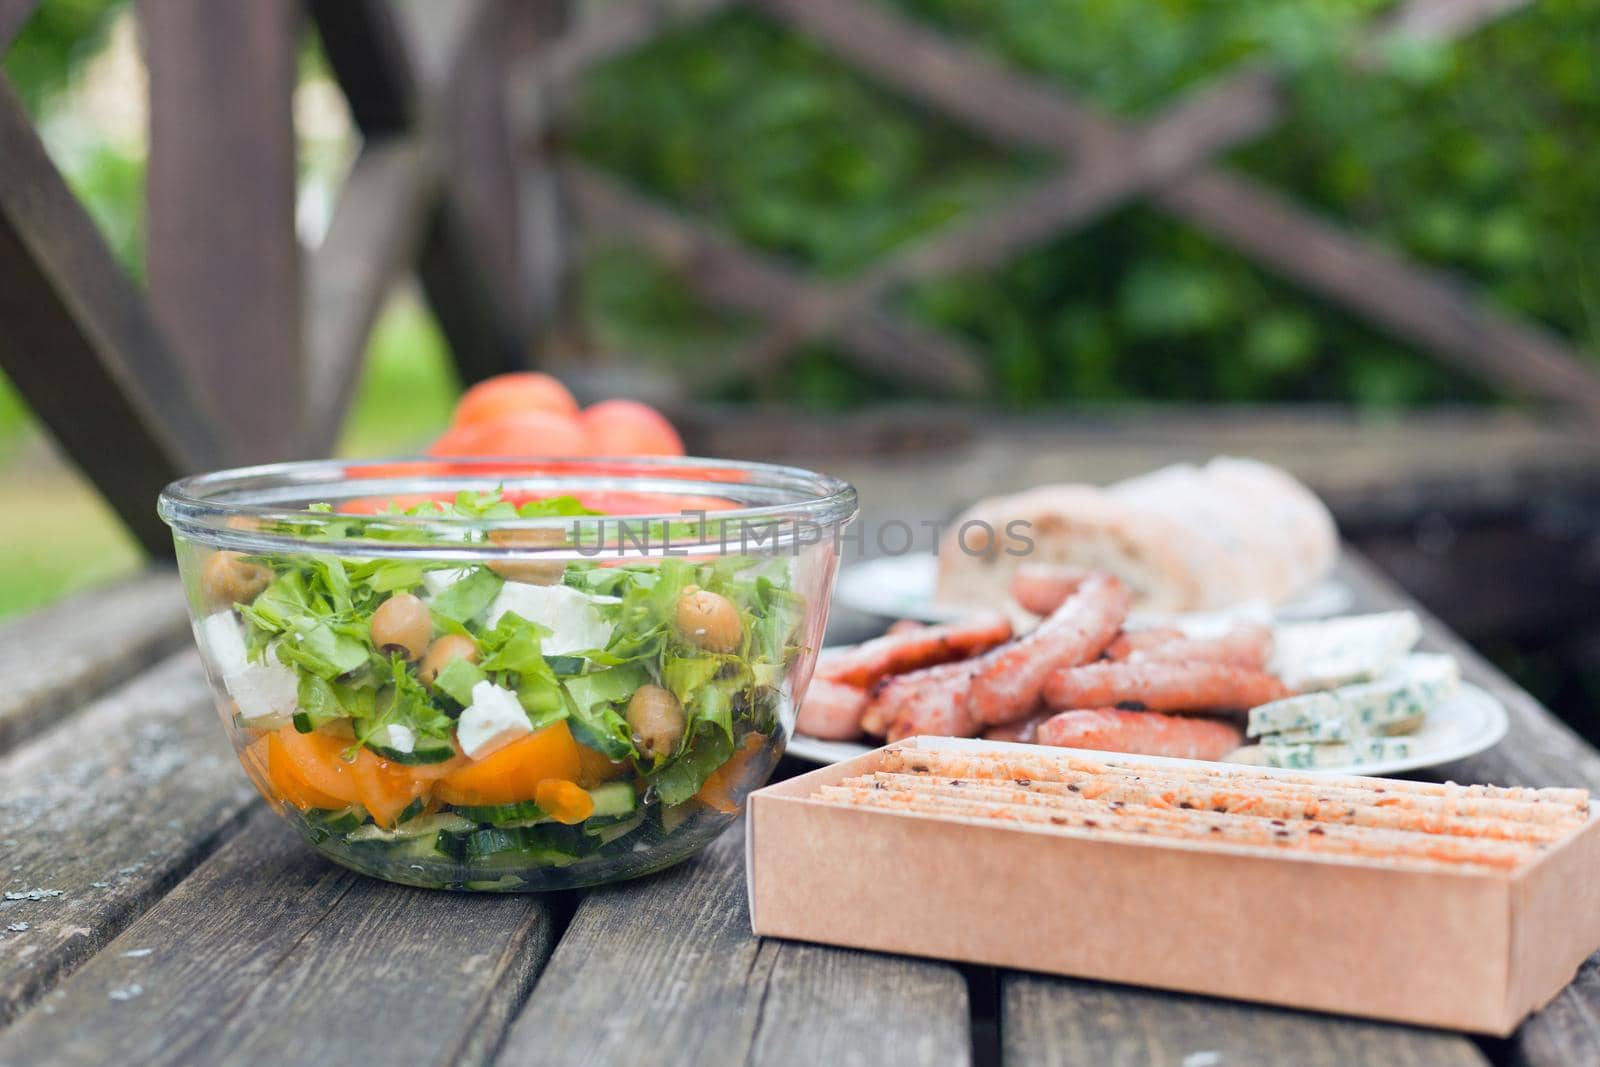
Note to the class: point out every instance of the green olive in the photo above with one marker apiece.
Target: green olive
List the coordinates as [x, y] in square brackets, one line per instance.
[656, 718]
[708, 620]
[226, 579]
[443, 652]
[402, 624]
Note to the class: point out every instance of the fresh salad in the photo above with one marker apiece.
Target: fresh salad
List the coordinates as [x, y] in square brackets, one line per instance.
[516, 724]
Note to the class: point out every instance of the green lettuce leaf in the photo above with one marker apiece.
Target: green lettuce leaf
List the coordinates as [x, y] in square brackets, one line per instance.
[468, 598]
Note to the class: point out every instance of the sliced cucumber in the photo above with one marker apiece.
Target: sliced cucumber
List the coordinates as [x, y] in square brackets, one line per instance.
[323, 823]
[444, 822]
[566, 665]
[621, 828]
[428, 750]
[524, 812]
[613, 798]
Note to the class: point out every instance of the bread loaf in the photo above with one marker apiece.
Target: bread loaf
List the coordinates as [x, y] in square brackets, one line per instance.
[1182, 538]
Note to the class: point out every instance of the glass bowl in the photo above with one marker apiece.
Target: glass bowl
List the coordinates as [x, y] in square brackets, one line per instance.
[508, 675]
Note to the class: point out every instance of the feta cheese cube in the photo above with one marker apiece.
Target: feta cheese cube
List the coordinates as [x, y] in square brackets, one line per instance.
[264, 690]
[260, 690]
[572, 617]
[223, 641]
[493, 720]
[400, 738]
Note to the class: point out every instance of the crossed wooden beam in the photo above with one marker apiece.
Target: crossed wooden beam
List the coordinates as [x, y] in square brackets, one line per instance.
[244, 352]
[246, 348]
[1168, 160]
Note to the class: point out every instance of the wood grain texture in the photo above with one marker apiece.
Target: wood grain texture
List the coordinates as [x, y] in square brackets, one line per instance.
[224, 262]
[268, 954]
[669, 964]
[1058, 1021]
[102, 815]
[68, 314]
[57, 659]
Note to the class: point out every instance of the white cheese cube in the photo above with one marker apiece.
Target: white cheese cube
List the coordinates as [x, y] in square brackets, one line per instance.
[223, 641]
[400, 738]
[493, 720]
[264, 690]
[572, 617]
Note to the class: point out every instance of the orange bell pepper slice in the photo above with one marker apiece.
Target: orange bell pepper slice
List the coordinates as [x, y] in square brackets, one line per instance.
[317, 761]
[386, 789]
[565, 802]
[284, 759]
[717, 790]
[513, 773]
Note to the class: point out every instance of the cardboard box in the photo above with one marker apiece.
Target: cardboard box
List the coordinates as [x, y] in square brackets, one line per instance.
[1464, 950]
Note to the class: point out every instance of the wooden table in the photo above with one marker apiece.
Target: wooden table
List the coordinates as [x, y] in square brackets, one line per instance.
[156, 912]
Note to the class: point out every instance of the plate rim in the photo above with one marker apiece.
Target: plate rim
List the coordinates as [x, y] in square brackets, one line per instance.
[1499, 724]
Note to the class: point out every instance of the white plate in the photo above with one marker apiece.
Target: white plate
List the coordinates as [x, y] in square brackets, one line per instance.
[1466, 724]
[901, 587]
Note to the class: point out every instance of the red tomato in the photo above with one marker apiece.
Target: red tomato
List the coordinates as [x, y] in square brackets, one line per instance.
[531, 433]
[629, 428]
[513, 394]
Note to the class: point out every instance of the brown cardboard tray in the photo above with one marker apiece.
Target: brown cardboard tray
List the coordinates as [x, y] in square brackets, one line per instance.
[1462, 949]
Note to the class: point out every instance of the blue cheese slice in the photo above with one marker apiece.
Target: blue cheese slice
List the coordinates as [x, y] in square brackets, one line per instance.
[1337, 754]
[1410, 688]
[1317, 733]
[1333, 652]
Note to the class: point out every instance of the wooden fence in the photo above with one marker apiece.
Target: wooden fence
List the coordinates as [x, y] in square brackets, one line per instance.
[246, 348]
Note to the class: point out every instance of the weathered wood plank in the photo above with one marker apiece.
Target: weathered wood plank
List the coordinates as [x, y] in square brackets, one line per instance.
[1048, 1020]
[364, 45]
[69, 314]
[1538, 750]
[14, 14]
[56, 660]
[370, 244]
[468, 244]
[547, 238]
[670, 961]
[102, 815]
[224, 275]
[731, 276]
[269, 954]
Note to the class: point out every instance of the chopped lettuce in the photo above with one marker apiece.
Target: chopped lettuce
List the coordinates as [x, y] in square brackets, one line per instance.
[468, 598]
